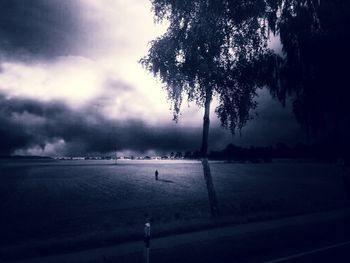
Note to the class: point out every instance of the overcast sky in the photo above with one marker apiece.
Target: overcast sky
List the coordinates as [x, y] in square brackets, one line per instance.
[71, 84]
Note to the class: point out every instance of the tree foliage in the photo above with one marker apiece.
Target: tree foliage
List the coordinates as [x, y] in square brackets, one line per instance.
[221, 45]
[213, 47]
[316, 38]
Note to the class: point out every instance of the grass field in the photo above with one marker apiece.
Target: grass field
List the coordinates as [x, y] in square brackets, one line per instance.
[65, 199]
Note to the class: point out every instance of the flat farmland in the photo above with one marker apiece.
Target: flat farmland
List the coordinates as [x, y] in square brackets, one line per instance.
[56, 199]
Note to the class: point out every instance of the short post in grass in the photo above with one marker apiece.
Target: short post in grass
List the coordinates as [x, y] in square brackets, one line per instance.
[147, 238]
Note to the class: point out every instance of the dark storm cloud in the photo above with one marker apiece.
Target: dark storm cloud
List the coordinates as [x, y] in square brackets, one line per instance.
[38, 27]
[25, 124]
[273, 124]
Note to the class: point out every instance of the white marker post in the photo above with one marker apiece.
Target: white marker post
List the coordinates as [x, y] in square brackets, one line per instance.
[147, 237]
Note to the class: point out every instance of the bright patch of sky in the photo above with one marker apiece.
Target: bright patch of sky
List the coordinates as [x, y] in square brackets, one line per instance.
[116, 34]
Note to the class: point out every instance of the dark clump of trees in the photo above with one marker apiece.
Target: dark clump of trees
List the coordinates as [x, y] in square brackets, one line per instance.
[278, 151]
[319, 152]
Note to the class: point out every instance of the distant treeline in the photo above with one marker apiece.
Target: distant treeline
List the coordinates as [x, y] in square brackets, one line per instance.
[266, 154]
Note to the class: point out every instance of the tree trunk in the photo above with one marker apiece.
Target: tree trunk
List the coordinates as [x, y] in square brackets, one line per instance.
[214, 209]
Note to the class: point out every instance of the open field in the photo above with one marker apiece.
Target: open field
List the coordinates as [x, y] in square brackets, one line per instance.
[64, 199]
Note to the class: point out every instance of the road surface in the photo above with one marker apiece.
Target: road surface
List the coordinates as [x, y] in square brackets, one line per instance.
[319, 237]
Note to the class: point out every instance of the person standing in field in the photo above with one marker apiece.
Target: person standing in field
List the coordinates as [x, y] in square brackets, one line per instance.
[156, 175]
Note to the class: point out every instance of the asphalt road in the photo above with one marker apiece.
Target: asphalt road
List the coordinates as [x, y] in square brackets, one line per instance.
[326, 241]
[339, 252]
[228, 251]
[323, 237]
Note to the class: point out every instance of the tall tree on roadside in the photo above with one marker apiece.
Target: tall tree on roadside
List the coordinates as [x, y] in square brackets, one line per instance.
[212, 48]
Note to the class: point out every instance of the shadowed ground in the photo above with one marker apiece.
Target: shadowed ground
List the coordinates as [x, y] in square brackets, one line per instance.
[72, 205]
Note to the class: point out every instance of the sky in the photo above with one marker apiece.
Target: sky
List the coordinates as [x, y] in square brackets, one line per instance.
[71, 85]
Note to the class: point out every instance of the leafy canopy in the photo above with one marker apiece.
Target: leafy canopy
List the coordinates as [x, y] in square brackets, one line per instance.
[220, 47]
[213, 47]
[316, 38]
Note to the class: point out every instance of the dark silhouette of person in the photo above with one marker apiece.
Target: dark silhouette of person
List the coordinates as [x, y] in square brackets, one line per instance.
[156, 174]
